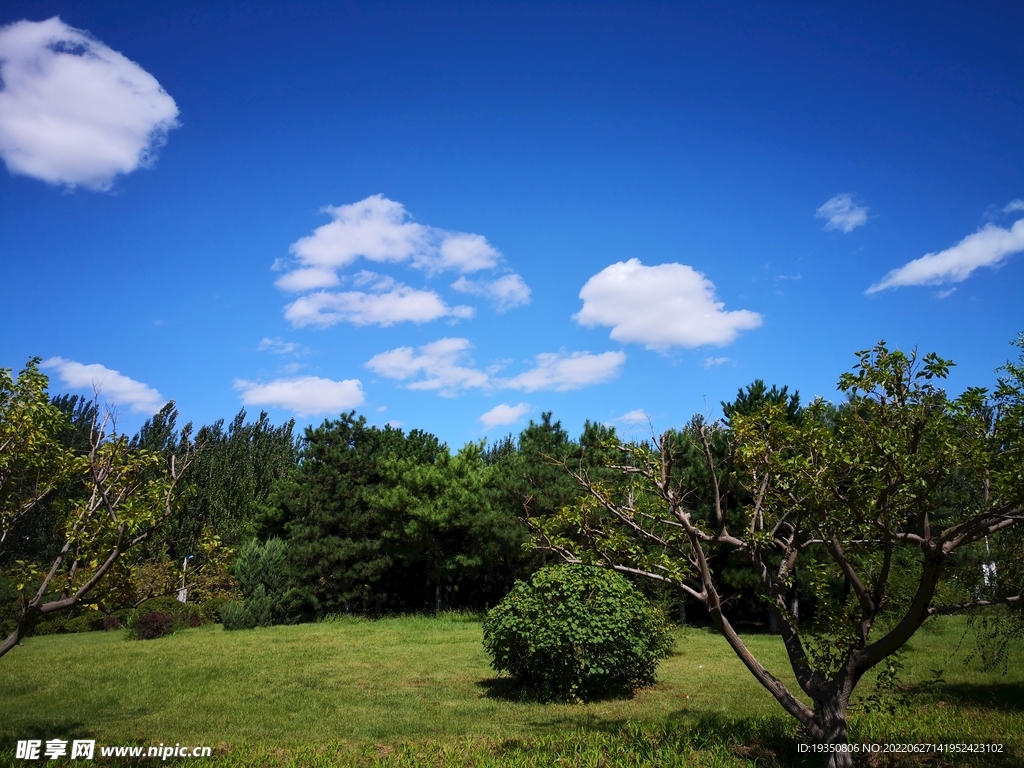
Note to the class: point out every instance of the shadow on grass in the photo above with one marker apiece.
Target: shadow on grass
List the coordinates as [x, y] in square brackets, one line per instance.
[1007, 697]
[768, 741]
[507, 689]
[67, 730]
[764, 740]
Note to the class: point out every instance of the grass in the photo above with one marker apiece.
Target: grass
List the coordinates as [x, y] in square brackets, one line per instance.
[418, 691]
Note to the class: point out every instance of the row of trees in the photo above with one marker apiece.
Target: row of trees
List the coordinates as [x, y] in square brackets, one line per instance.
[368, 519]
[894, 506]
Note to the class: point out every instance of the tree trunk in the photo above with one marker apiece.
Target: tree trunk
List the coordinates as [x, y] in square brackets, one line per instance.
[828, 730]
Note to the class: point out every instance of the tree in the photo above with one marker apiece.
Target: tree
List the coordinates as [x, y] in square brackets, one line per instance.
[448, 532]
[899, 481]
[756, 395]
[33, 460]
[260, 570]
[743, 591]
[339, 556]
[126, 495]
[231, 480]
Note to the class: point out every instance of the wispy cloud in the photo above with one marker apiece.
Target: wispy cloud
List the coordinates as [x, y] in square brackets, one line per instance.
[987, 247]
[277, 346]
[714, 362]
[669, 305]
[842, 213]
[562, 372]
[637, 416]
[438, 366]
[72, 110]
[503, 414]
[446, 367]
[111, 385]
[506, 292]
[1013, 206]
[303, 395]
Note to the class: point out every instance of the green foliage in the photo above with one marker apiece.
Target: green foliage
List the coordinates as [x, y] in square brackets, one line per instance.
[576, 632]
[88, 622]
[231, 480]
[337, 552]
[260, 570]
[33, 459]
[896, 506]
[210, 609]
[756, 395]
[377, 520]
[447, 529]
[532, 477]
[184, 615]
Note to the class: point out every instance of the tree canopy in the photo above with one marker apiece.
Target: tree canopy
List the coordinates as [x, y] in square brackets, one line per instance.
[878, 503]
[124, 495]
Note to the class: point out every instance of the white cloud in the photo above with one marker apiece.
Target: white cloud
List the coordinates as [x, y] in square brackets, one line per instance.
[842, 213]
[435, 366]
[669, 305]
[382, 307]
[1014, 205]
[277, 346]
[563, 372]
[462, 252]
[444, 366]
[111, 385]
[381, 230]
[714, 362]
[503, 414]
[985, 248]
[304, 395]
[72, 110]
[307, 279]
[506, 292]
[638, 416]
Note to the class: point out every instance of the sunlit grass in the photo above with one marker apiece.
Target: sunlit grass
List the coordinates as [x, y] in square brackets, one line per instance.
[418, 691]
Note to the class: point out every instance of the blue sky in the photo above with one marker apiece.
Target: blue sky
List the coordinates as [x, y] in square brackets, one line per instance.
[456, 217]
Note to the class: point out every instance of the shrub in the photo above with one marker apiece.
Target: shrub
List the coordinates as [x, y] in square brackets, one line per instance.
[110, 621]
[55, 625]
[150, 626]
[233, 615]
[576, 632]
[184, 615]
[210, 609]
[260, 571]
[89, 622]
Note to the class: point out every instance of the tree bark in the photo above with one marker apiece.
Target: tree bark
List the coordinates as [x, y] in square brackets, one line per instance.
[829, 730]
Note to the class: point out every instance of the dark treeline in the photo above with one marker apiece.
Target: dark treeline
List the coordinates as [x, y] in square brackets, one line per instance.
[354, 518]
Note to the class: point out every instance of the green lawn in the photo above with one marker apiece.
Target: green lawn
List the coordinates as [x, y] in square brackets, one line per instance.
[419, 690]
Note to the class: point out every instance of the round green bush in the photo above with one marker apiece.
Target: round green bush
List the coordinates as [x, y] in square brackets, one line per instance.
[577, 632]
